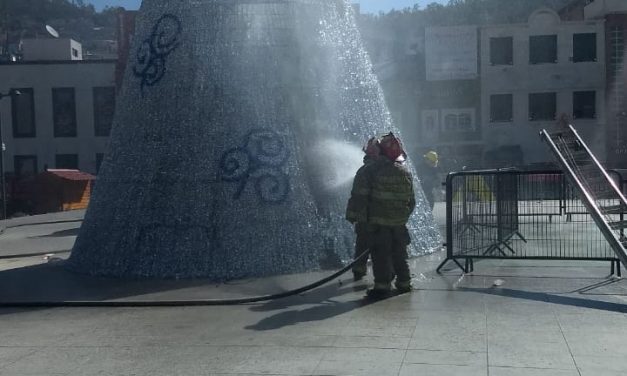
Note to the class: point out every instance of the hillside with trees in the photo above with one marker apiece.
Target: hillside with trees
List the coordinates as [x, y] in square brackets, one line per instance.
[79, 20]
[76, 19]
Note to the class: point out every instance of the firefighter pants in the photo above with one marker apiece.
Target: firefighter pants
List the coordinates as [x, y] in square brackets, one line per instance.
[362, 243]
[389, 255]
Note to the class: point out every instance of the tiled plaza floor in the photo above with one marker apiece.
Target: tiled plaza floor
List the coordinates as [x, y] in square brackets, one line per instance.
[541, 319]
[545, 319]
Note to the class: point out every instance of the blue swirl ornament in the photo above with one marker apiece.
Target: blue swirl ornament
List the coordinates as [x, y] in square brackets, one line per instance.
[150, 65]
[259, 160]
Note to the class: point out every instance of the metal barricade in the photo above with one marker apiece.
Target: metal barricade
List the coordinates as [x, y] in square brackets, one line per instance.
[512, 214]
[573, 205]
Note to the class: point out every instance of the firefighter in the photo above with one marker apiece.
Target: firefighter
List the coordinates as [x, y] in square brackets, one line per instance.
[428, 174]
[371, 149]
[383, 198]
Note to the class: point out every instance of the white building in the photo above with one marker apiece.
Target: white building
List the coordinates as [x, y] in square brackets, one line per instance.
[533, 73]
[62, 117]
[450, 96]
[51, 49]
[601, 8]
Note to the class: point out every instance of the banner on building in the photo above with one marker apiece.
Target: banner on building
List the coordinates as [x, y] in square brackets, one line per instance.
[451, 53]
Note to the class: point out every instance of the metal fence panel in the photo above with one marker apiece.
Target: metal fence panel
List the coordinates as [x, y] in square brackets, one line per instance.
[520, 215]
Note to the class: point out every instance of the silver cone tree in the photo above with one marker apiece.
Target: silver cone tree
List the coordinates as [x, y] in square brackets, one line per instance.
[224, 142]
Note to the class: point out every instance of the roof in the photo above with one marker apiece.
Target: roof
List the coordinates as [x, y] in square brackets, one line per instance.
[60, 62]
[74, 175]
[572, 6]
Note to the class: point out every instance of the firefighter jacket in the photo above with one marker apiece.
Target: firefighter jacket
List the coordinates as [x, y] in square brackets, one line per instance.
[382, 194]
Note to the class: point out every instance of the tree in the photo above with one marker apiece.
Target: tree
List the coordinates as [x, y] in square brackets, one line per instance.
[75, 19]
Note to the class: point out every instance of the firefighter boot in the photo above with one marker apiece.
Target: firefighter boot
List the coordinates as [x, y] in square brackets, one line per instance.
[403, 286]
[380, 291]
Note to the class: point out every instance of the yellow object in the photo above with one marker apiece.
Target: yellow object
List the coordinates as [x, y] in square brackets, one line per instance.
[432, 157]
[476, 190]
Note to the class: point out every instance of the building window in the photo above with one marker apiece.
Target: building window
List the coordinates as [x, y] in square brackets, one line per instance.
[584, 47]
[74, 52]
[542, 106]
[431, 126]
[464, 122]
[543, 49]
[458, 120]
[64, 112]
[502, 51]
[25, 165]
[67, 161]
[450, 122]
[584, 105]
[99, 158]
[501, 108]
[104, 107]
[23, 113]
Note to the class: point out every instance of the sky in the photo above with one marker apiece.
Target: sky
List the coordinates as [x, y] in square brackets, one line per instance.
[367, 6]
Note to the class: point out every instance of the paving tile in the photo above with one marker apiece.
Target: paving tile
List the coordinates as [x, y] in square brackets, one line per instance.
[357, 367]
[522, 315]
[451, 330]
[392, 313]
[271, 339]
[378, 326]
[507, 307]
[600, 372]
[14, 373]
[384, 331]
[441, 370]
[513, 324]
[585, 343]
[469, 322]
[444, 339]
[382, 356]
[9, 355]
[36, 335]
[591, 321]
[300, 361]
[200, 360]
[530, 355]
[372, 342]
[448, 317]
[505, 335]
[135, 372]
[285, 360]
[376, 319]
[85, 361]
[459, 358]
[512, 371]
[452, 301]
[601, 364]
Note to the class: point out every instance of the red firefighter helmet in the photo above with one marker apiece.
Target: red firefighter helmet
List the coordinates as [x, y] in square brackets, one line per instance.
[372, 147]
[392, 147]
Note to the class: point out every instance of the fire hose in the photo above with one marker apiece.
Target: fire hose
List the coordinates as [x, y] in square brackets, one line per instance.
[181, 303]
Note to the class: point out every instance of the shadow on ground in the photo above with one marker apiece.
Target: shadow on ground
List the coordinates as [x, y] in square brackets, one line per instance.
[52, 282]
[322, 306]
[553, 299]
[59, 234]
[321, 294]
